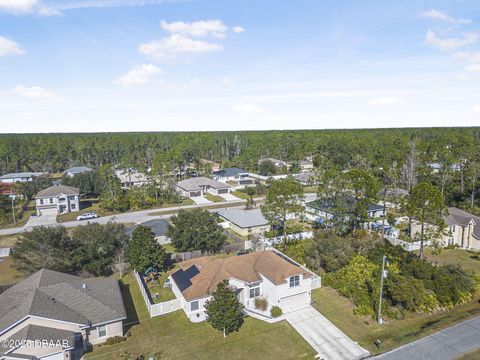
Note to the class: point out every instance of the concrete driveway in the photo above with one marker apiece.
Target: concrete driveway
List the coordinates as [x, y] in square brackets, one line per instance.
[48, 217]
[323, 336]
[230, 197]
[200, 200]
[447, 344]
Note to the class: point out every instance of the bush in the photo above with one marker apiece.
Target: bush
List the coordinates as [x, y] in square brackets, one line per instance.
[115, 340]
[261, 304]
[275, 311]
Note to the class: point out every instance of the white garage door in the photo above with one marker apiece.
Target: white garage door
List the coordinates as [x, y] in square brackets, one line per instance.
[296, 301]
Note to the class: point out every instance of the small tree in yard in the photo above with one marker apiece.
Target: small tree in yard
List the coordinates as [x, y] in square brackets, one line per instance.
[144, 251]
[196, 230]
[224, 310]
[284, 197]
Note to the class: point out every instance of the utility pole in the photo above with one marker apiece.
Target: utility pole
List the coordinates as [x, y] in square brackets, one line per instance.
[382, 276]
[13, 211]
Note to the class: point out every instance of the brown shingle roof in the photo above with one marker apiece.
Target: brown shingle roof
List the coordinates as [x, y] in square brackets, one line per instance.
[199, 277]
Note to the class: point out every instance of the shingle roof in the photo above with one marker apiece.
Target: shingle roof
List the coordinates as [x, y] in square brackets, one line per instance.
[158, 226]
[36, 333]
[243, 218]
[459, 217]
[341, 206]
[20, 175]
[78, 170]
[197, 183]
[56, 190]
[227, 172]
[60, 296]
[199, 277]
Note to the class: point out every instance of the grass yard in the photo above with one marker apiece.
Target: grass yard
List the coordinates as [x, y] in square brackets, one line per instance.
[23, 219]
[169, 248]
[474, 355]
[164, 294]
[310, 189]
[8, 274]
[365, 330]
[466, 259]
[173, 336]
[174, 211]
[242, 195]
[86, 206]
[214, 198]
[8, 240]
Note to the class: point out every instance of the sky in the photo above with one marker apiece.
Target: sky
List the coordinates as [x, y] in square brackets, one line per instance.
[203, 65]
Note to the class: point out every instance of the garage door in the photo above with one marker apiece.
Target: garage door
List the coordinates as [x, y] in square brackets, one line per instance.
[295, 301]
[223, 191]
[195, 193]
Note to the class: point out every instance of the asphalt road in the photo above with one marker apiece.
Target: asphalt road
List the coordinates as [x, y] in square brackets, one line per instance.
[129, 217]
[447, 344]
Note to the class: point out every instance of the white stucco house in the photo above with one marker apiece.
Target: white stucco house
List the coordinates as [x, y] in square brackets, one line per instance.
[19, 177]
[60, 197]
[66, 313]
[198, 186]
[264, 274]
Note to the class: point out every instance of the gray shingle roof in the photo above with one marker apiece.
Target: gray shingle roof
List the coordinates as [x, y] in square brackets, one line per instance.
[79, 170]
[198, 183]
[56, 190]
[459, 217]
[243, 218]
[158, 226]
[59, 296]
[20, 175]
[227, 172]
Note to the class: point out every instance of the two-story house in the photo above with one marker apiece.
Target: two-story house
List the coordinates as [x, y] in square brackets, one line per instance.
[60, 197]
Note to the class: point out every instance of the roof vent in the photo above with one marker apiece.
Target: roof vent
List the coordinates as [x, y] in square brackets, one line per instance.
[84, 286]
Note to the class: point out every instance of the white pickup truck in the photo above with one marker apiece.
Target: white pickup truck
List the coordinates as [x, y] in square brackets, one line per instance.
[87, 216]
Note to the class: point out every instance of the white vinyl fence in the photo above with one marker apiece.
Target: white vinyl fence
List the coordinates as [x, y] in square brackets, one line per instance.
[408, 246]
[296, 236]
[159, 308]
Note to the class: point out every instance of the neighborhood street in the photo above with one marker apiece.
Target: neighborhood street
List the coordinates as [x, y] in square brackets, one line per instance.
[448, 344]
[49, 219]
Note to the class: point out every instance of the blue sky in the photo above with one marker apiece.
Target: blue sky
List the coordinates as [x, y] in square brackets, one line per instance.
[147, 65]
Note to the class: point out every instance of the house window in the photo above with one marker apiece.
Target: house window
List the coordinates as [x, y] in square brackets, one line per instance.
[254, 291]
[194, 305]
[51, 200]
[72, 197]
[72, 206]
[41, 201]
[102, 331]
[294, 281]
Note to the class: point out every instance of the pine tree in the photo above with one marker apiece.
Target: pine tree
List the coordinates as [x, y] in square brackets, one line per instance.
[144, 251]
[224, 310]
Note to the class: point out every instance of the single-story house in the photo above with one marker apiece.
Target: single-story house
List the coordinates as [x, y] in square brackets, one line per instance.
[235, 176]
[19, 177]
[306, 165]
[130, 177]
[326, 209]
[198, 186]
[77, 170]
[61, 197]
[306, 178]
[245, 222]
[263, 274]
[159, 228]
[10, 190]
[56, 316]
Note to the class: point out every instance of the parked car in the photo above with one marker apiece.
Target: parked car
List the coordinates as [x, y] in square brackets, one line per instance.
[87, 216]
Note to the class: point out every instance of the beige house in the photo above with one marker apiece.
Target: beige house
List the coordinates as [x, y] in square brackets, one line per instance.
[245, 222]
[198, 186]
[56, 316]
[462, 229]
[63, 198]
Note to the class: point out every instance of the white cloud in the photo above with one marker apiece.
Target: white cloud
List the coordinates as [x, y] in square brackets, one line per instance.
[446, 44]
[9, 47]
[140, 74]
[248, 109]
[18, 6]
[473, 68]
[476, 109]
[201, 28]
[387, 101]
[238, 29]
[469, 57]
[170, 47]
[440, 15]
[35, 92]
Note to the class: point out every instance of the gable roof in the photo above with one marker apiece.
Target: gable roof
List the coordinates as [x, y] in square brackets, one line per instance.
[158, 226]
[460, 217]
[227, 172]
[58, 296]
[198, 183]
[199, 277]
[27, 174]
[78, 170]
[243, 218]
[56, 190]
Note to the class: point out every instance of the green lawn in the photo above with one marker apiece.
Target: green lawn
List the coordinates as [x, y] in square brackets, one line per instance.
[310, 189]
[214, 198]
[169, 248]
[455, 256]
[242, 195]
[474, 355]
[8, 240]
[20, 221]
[156, 287]
[365, 330]
[8, 274]
[86, 207]
[173, 336]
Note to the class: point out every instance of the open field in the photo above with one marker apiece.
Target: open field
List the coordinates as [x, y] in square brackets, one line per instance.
[173, 336]
[466, 259]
